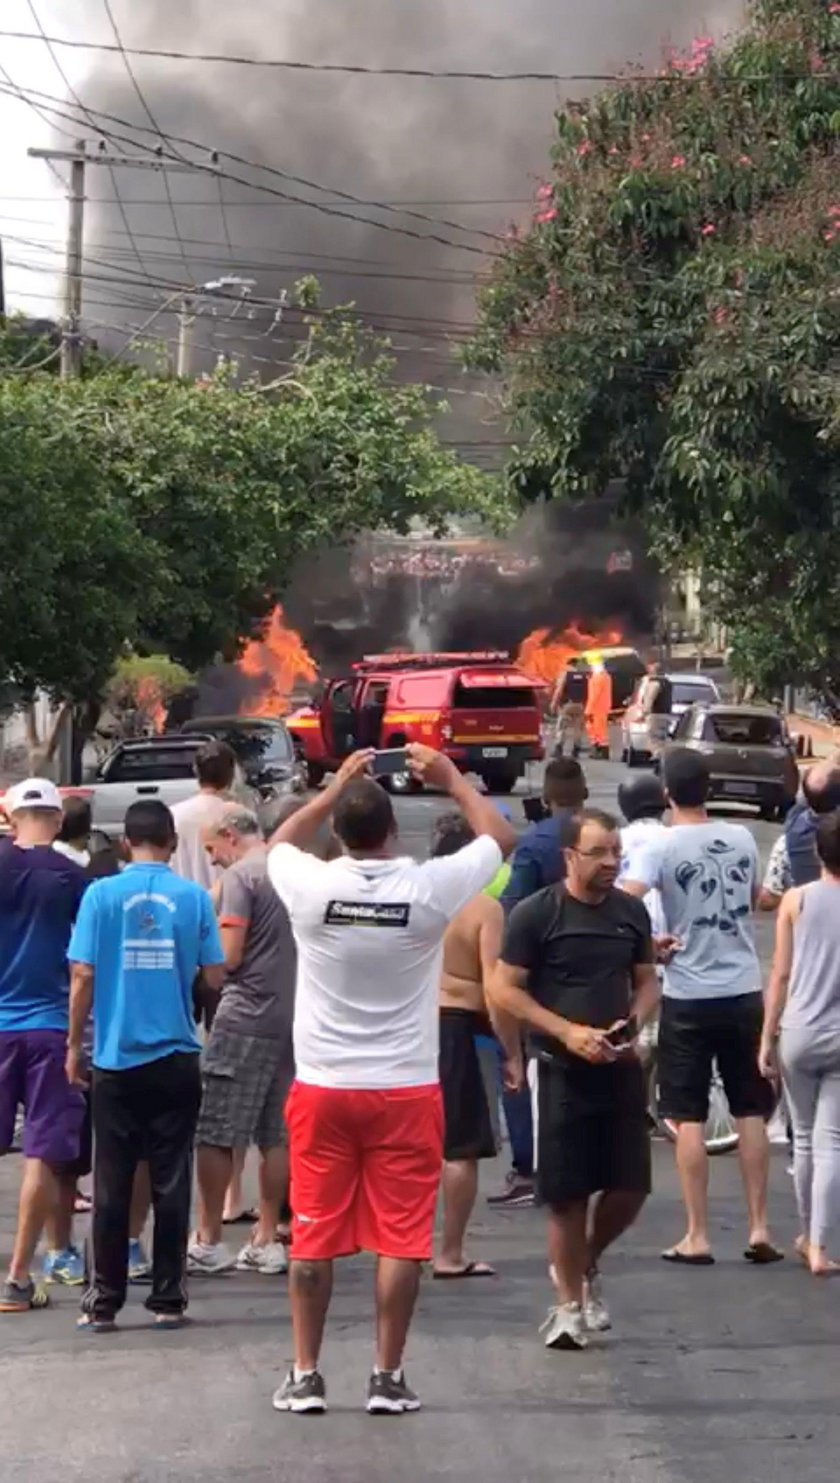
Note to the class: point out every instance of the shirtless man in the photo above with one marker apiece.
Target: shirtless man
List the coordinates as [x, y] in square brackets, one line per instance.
[470, 949]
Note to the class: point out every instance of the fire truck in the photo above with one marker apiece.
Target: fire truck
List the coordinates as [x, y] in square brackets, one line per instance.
[479, 709]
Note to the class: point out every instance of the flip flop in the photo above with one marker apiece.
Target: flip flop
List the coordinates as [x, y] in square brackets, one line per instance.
[244, 1218]
[685, 1259]
[762, 1253]
[92, 1325]
[472, 1269]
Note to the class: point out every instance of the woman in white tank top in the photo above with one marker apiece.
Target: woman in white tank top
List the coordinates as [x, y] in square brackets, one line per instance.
[802, 1014]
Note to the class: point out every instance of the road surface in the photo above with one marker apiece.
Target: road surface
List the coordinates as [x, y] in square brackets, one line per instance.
[729, 1373]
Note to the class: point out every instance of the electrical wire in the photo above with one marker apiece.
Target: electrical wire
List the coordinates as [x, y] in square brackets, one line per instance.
[155, 126]
[436, 74]
[42, 115]
[77, 100]
[177, 139]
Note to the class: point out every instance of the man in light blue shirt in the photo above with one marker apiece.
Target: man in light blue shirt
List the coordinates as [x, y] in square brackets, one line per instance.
[141, 940]
[707, 873]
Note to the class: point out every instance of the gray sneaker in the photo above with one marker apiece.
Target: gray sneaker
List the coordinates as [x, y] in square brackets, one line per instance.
[564, 1327]
[596, 1314]
[390, 1395]
[22, 1297]
[306, 1396]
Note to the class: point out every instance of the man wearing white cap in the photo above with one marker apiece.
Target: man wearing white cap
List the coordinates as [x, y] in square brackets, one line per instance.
[40, 891]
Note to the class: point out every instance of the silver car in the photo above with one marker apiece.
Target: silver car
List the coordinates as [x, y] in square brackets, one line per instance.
[687, 689]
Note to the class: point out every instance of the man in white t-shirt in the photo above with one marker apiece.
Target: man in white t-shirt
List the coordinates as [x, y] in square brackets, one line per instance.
[364, 1115]
[706, 871]
[215, 769]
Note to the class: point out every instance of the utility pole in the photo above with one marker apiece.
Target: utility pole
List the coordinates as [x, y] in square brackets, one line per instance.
[78, 159]
[71, 329]
[186, 320]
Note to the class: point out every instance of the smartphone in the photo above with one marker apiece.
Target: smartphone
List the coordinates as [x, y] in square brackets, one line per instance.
[534, 810]
[624, 1035]
[385, 764]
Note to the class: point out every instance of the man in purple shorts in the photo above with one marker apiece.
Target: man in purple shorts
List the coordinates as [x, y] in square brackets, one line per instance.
[40, 891]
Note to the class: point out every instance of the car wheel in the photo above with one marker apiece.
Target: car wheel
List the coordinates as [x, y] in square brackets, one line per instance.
[634, 758]
[314, 774]
[500, 782]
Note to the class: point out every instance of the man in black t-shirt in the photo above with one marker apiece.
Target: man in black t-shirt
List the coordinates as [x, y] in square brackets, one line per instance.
[577, 967]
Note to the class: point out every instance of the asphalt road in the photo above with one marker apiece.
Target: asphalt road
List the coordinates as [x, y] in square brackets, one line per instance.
[726, 1373]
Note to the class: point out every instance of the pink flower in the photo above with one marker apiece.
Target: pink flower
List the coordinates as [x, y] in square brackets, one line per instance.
[834, 210]
[720, 315]
[646, 138]
[613, 149]
[834, 9]
[544, 192]
[708, 230]
[744, 160]
[584, 148]
[544, 216]
[816, 61]
[678, 161]
[829, 236]
[635, 161]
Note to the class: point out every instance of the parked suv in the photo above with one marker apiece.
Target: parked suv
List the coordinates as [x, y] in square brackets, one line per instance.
[271, 762]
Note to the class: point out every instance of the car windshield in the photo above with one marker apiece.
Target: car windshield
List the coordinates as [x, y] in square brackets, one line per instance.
[686, 692]
[256, 745]
[748, 731]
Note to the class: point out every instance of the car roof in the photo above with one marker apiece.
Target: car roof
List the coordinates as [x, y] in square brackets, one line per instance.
[720, 708]
[166, 739]
[210, 723]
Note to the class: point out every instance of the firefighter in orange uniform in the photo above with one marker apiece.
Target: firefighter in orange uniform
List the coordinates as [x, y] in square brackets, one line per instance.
[598, 707]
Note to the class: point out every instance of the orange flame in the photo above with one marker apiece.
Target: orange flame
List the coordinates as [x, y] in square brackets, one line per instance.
[150, 703]
[278, 659]
[545, 653]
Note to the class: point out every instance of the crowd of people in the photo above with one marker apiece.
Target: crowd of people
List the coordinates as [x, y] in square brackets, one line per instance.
[301, 986]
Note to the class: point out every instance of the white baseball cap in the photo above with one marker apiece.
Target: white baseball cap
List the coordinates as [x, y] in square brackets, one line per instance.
[32, 793]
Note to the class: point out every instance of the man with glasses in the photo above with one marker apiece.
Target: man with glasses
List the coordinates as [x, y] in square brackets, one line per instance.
[577, 968]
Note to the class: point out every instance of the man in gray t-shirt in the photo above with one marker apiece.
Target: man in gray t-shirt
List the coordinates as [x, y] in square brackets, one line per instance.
[248, 1062]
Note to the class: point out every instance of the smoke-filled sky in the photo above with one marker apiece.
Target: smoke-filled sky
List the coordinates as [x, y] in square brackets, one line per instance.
[469, 152]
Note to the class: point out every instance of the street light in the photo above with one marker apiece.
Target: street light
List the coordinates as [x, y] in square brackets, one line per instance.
[186, 317]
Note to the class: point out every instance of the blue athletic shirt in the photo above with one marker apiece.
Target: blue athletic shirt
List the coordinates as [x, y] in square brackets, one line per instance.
[146, 933]
[40, 891]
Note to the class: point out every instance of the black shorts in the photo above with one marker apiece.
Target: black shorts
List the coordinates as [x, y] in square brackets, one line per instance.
[581, 1147]
[468, 1129]
[695, 1032]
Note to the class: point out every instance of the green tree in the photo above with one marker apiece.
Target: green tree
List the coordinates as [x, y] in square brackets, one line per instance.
[167, 515]
[671, 318]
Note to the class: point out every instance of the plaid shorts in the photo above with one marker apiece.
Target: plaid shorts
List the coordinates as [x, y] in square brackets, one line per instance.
[246, 1079]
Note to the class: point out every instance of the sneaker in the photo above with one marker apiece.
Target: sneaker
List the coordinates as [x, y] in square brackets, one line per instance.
[517, 1194]
[204, 1260]
[389, 1394]
[564, 1327]
[306, 1396]
[596, 1314]
[271, 1260]
[139, 1266]
[21, 1297]
[67, 1267]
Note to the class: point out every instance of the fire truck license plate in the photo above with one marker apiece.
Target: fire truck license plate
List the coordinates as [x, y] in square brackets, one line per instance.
[494, 751]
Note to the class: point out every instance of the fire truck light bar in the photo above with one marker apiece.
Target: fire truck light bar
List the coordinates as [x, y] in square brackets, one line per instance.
[427, 661]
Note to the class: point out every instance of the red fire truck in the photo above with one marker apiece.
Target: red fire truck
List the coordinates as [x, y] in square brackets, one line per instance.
[479, 709]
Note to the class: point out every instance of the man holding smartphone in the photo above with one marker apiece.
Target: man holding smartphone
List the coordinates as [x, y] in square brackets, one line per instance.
[577, 968]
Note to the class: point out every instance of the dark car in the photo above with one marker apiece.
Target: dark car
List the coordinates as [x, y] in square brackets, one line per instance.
[750, 753]
[264, 749]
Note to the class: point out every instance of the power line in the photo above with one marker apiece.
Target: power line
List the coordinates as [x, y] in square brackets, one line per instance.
[154, 123]
[437, 74]
[278, 205]
[18, 91]
[75, 96]
[177, 139]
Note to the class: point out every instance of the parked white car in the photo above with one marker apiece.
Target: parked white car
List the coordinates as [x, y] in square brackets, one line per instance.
[686, 690]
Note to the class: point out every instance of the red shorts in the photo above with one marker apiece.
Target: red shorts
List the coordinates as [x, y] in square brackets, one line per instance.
[365, 1169]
